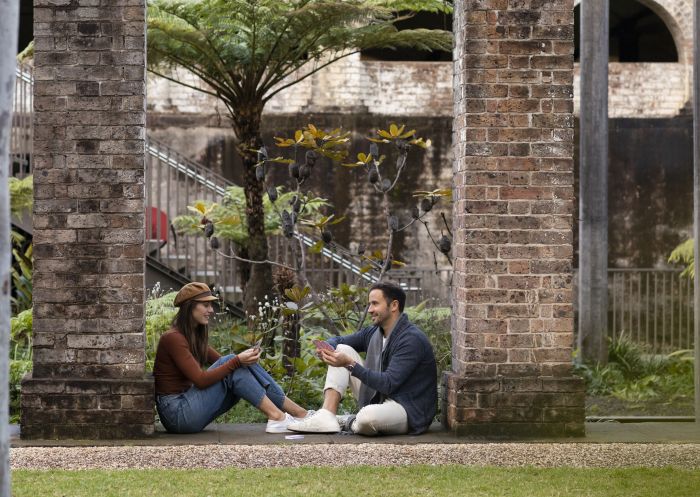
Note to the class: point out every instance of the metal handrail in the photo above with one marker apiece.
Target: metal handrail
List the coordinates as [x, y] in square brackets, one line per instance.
[186, 166]
[190, 181]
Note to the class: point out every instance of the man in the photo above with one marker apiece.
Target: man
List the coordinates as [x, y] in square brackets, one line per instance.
[395, 387]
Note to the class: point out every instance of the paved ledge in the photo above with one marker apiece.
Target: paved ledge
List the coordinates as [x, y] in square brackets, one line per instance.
[254, 434]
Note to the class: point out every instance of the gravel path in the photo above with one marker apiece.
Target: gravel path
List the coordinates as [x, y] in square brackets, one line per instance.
[268, 456]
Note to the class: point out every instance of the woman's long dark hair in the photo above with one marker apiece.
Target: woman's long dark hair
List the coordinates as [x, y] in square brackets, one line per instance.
[197, 335]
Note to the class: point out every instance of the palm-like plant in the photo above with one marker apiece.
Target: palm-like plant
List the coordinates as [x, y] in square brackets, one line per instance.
[247, 51]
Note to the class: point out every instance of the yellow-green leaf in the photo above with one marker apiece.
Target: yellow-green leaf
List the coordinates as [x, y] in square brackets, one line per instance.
[338, 220]
[316, 247]
[198, 207]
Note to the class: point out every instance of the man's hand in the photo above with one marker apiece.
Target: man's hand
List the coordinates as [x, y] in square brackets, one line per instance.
[248, 357]
[335, 358]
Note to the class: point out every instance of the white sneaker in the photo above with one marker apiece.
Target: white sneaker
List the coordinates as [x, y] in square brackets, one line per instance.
[279, 426]
[323, 421]
[309, 413]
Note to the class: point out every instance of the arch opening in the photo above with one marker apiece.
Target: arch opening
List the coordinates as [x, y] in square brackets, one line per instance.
[637, 34]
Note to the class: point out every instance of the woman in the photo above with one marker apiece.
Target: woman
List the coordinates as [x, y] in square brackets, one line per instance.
[189, 398]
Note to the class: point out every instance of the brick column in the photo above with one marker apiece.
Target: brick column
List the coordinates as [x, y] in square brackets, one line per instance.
[88, 378]
[512, 328]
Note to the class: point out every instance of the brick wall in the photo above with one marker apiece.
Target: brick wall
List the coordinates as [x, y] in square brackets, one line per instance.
[418, 88]
[650, 90]
[512, 328]
[349, 85]
[89, 124]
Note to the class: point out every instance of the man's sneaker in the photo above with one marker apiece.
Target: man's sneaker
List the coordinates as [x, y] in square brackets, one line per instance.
[279, 426]
[345, 421]
[309, 413]
[323, 421]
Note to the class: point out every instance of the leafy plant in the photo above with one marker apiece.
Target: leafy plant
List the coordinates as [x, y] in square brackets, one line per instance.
[21, 201]
[21, 194]
[230, 219]
[159, 315]
[685, 254]
[21, 336]
[20, 357]
[246, 52]
[22, 277]
[634, 376]
[18, 369]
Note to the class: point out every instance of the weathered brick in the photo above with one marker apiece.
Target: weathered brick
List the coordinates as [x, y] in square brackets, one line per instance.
[522, 210]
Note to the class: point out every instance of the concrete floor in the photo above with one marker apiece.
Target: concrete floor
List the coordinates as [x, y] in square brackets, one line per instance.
[254, 434]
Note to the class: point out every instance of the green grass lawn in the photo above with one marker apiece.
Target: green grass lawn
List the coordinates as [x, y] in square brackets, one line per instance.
[448, 481]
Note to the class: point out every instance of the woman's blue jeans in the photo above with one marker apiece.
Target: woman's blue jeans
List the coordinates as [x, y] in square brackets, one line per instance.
[191, 411]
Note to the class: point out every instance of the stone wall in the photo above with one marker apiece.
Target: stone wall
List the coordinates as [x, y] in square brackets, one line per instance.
[512, 321]
[89, 130]
[644, 91]
[637, 90]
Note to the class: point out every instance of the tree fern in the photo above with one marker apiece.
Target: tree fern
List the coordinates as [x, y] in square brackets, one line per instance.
[685, 254]
[247, 51]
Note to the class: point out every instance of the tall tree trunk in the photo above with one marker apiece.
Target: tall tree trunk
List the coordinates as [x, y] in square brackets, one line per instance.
[8, 52]
[246, 123]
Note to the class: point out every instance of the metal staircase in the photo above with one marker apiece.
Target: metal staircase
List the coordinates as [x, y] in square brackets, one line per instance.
[172, 182]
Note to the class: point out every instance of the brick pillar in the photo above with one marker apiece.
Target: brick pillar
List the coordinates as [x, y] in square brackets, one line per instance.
[512, 328]
[88, 379]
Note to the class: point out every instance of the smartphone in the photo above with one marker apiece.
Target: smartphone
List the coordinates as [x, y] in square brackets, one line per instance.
[323, 345]
[258, 344]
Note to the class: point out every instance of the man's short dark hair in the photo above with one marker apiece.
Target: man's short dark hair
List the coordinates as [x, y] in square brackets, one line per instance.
[391, 292]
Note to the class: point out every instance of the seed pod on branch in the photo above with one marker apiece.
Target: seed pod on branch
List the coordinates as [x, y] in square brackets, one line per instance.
[209, 229]
[327, 236]
[262, 154]
[304, 172]
[214, 243]
[393, 223]
[415, 213]
[403, 146]
[444, 244]
[374, 151]
[373, 176]
[287, 224]
[386, 184]
[294, 170]
[311, 157]
[259, 173]
[272, 193]
[296, 204]
[426, 204]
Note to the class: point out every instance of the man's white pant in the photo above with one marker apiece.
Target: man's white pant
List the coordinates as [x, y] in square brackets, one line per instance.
[387, 418]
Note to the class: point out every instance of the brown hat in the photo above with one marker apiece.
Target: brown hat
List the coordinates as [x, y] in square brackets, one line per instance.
[194, 291]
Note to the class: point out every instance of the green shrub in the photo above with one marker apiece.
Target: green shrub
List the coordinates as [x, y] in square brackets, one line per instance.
[18, 368]
[634, 375]
[159, 315]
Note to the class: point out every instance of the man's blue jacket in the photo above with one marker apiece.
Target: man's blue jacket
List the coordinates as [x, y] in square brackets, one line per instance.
[408, 373]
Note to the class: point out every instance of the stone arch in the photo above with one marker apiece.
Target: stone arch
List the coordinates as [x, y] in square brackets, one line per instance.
[677, 15]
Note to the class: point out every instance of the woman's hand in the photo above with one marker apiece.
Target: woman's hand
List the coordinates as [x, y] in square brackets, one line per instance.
[248, 357]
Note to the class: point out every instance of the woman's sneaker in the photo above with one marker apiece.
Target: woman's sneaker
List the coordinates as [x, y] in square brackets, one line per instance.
[323, 421]
[280, 426]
